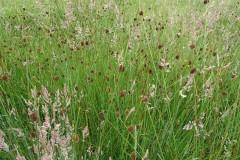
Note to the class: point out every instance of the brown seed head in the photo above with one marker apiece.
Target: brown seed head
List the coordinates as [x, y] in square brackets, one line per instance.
[205, 1]
[75, 138]
[33, 134]
[193, 71]
[133, 156]
[145, 99]
[121, 68]
[55, 78]
[122, 93]
[160, 46]
[5, 78]
[130, 128]
[33, 116]
[192, 46]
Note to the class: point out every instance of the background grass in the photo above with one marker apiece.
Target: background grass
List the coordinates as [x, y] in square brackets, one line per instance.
[37, 45]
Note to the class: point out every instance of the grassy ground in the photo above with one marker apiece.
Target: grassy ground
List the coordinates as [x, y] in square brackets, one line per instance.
[120, 79]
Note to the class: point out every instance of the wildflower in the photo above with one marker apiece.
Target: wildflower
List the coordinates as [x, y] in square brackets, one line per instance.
[130, 128]
[141, 13]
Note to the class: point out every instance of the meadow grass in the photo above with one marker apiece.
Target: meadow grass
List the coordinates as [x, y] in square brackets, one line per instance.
[119, 79]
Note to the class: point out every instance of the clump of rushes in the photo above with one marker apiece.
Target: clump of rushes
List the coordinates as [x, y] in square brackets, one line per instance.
[140, 73]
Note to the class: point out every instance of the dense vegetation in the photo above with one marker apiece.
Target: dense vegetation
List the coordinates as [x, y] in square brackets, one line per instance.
[132, 79]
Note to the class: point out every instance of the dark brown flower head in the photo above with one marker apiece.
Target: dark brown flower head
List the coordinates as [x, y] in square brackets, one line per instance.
[205, 1]
[160, 46]
[224, 93]
[118, 115]
[55, 78]
[107, 78]
[145, 99]
[133, 156]
[75, 138]
[33, 134]
[101, 114]
[5, 78]
[192, 46]
[233, 75]
[150, 71]
[197, 121]
[214, 53]
[108, 89]
[90, 80]
[177, 57]
[161, 66]
[127, 111]
[106, 30]
[130, 128]
[141, 13]
[33, 116]
[121, 68]
[139, 126]
[122, 93]
[76, 88]
[193, 71]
